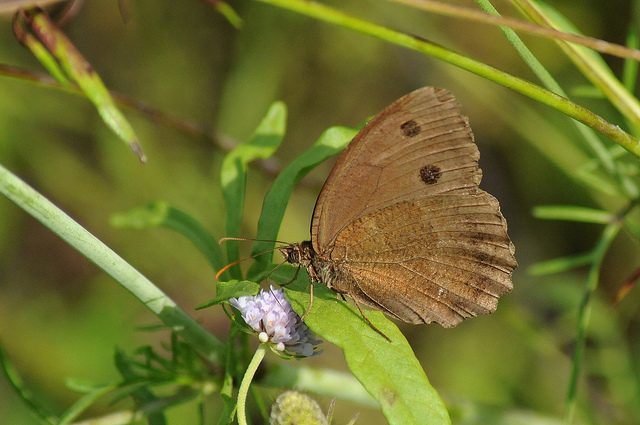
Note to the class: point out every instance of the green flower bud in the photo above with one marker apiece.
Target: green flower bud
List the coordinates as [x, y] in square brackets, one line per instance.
[294, 408]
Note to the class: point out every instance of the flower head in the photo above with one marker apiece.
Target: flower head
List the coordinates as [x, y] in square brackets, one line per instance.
[271, 316]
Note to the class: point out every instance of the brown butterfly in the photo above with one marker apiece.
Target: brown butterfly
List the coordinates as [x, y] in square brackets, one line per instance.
[400, 224]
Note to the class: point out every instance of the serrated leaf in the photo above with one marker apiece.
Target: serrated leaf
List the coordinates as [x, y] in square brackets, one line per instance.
[231, 289]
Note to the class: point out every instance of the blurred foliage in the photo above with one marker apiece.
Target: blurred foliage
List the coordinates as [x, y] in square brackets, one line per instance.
[61, 317]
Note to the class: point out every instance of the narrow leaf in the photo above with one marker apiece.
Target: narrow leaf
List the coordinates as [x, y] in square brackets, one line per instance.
[78, 69]
[97, 252]
[141, 395]
[559, 265]
[23, 393]
[233, 173]
[161, 214]
[227, 11]
[332, 141]
[84, 402]
[573, 213]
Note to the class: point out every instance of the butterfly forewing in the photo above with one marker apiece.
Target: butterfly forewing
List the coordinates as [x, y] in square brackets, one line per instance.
[418, 146]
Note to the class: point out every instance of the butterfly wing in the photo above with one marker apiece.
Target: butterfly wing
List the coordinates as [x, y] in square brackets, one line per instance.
[418, 146]
[403, 222]
[441, 258]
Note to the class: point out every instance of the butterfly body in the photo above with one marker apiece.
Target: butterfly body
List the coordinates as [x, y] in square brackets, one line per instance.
[401, 224]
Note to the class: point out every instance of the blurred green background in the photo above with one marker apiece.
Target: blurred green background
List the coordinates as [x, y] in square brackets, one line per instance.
[62, 317]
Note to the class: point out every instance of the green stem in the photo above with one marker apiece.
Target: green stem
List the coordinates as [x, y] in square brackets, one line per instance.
[584, 314]
[101, 255]
[327, 14]
[551, 84]
[246, 382]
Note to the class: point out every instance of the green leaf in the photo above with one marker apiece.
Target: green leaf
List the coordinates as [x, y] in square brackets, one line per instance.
[227, 11]
[226, 392]
[143, 394]
[231, 289]
[559, 265]
[78, 69]
[23, 393]
[161, 214]
[85, 402]
[573, 213]
[332, 141]
[233, 173]
[389, 371]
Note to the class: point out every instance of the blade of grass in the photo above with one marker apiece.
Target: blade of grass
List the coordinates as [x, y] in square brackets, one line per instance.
[559, 265]
[573, 213]
[227, 11]
[15, 382]
[584, 315]
[327, 14]
[38, 50]
[551, 84]
[461, 12]
[84, 402]
[115, 266]
[589, 62]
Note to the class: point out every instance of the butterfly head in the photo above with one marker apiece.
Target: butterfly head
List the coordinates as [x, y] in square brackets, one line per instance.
[299, 254]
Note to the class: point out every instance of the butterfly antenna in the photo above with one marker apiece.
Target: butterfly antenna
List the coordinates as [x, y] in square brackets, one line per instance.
[228, 266]
[249, 240]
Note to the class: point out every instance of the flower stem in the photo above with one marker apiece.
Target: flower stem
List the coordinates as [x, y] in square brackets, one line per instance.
[584, 314]
[246, 382]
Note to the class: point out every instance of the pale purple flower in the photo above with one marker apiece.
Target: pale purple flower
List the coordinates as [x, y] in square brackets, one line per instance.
[271, 316]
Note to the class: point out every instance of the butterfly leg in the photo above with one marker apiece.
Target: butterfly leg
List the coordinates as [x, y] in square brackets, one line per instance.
[371, 325]
[366, 319]
[310, 302]
[295, 276]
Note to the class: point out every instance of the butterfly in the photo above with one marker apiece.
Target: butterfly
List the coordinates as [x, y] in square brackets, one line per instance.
[401, 225]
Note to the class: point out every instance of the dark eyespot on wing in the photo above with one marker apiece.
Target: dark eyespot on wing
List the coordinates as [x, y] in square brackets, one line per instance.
[430, 174]
[410, 128]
